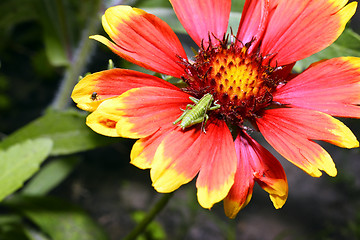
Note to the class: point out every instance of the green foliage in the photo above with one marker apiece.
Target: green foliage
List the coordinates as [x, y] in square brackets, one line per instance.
[53, 29]
[50, 176]
[67, 130]
[57, 218]
[237, 5]
[20, 162]
[348, 44]
[19, 13]
[11, 228]
[154, 230]
[158, 3]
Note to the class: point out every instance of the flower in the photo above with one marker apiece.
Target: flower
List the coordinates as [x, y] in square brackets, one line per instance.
[249, 77]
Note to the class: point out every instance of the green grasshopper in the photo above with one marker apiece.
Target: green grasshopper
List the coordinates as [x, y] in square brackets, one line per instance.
[194, 114]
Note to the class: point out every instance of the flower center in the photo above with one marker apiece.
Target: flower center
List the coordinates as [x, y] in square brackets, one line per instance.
[240, 82]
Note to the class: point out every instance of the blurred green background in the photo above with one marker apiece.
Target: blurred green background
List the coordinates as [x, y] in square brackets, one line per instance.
[79, 185]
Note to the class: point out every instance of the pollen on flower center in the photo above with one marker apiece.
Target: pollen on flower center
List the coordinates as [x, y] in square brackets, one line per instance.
[236, 75]
[239, 81]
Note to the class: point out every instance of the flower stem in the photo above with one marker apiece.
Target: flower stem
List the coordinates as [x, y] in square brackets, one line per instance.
[149, 217]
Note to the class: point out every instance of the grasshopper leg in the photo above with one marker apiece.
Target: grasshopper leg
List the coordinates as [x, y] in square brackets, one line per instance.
[187, 109]
[195, 100]
[206, 118]
[216, 106]
[181, 117]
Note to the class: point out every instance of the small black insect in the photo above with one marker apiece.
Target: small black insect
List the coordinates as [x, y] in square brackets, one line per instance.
[94, 96]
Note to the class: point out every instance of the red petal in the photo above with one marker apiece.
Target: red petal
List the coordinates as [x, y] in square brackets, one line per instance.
[300, 28]
[241, 191]
[218, 164]
[331, 86]
[111, 83]
[203, 19]
[268, 171]
[255, 162]
[143, 39]
[290, 131]
[144, 110]
[253, 22]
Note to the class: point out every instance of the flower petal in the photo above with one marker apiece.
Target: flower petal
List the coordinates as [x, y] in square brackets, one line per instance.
[255, 162]
[143, 39]
[111, 83]
[142, 111]
[268, 171]
[300, 28]
[290, 131]
[241, 191]
[218, 164]
[103, 122]
[143, 151]
[253, 22]
[178, 159]
[182, 154]
[331, 86]
[203, 19]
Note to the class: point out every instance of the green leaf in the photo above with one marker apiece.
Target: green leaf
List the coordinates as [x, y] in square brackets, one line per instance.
[237, 5]
[348, 44]
[349, 39]
[55, 50]
[67, 129]
[13, 13]
[57, 218]
[158, 3]
[50, 176]
[54, 31]
[234, 21]
[13, 231]
[153, 231]
[12, 227]
[20, 162]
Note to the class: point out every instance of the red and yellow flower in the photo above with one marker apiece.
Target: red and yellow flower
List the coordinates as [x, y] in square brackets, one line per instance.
[249, 76]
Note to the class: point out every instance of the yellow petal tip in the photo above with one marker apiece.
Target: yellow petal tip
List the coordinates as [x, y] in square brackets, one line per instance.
[208, 198]
[163, 174]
